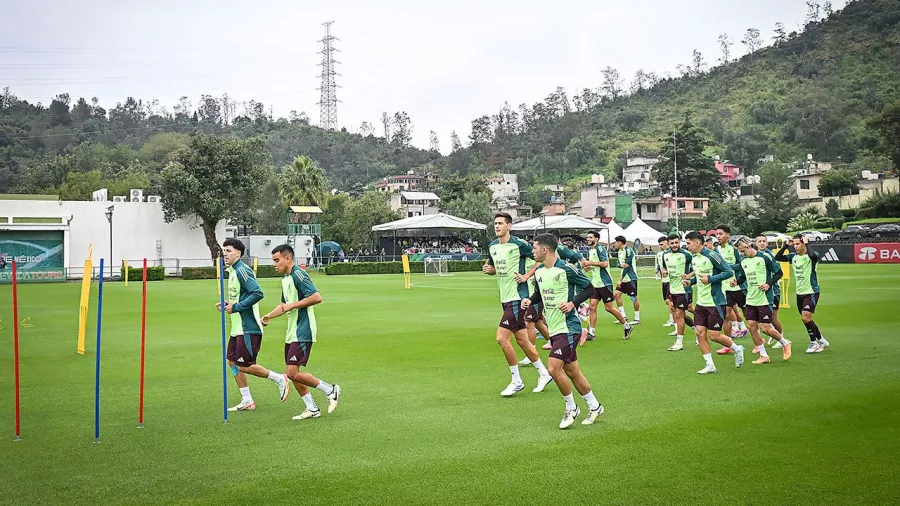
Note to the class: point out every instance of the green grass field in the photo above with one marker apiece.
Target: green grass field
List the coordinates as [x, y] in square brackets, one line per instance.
[421, 420]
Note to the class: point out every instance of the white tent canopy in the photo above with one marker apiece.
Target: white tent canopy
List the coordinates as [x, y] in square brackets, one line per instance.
[640, 230]
[561, 222]
[614, 230]
[438, 221]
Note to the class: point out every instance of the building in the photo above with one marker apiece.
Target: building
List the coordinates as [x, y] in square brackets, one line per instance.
[806, 179]
[637, 174]
[505, 196]
[410, 204]
[657, 210]
[731, 174]
[393, 184]
[604, 200]
[557, 193]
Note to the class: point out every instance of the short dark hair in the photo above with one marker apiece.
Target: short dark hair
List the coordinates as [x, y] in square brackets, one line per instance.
[724, 228]
[594, 233]
[696, 236]
[506, 217]
[547, 240]
[662, 238]
[621, 239]
[673, 236]
[235, 243]
[284, 248]
[746, 242]
[798, 236]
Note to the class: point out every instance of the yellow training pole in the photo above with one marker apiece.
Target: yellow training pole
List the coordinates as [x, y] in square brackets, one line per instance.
[85, 298]
[125, 262]
[255, 264]
[407, 282]
[218, 275]
[785, 280]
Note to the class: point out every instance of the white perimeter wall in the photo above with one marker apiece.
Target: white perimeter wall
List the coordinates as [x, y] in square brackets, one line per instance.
[136, 228]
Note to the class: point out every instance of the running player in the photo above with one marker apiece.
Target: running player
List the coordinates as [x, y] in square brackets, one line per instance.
[709, 271]
[597, 268]
[534, 319]
[507, 259]
[242, 305]
[298, 296]
[628, 284]
[676, 264]
[663, 248]
[735, 299]
[804, 262]
[561, 288]
[762, 246]
[757, 270]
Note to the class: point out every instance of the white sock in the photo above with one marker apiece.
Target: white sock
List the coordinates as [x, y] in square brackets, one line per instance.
[526, 359]
[274, 376]
[671, 318]
[782, 340]
[514, 369]
[741, 325]
[637, 315]
[679, 339]
[540, 367]
[325, 387]
[591, 330]
[246, 398]
[762, 350]
[310, 402]
[570, 402]
[591, 401]
[708, 358]
[622, 311]
[735, 346]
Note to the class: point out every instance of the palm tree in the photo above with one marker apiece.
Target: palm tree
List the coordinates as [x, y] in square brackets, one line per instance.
[302, 183]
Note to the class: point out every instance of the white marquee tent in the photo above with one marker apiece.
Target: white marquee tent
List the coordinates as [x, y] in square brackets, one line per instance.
[640, 230]
[561, 222]
[438, 221]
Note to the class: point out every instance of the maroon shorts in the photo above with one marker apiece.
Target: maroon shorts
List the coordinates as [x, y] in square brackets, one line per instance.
[297, 353]
[665, 291]
[735, 298]
[680, 300]
[562, 347]
[533, 313]
[629, 288]
[513, 316]
[776, 303]
[761, 314]
[807, 303]
[243, 349]
[710, 317]
[603, 294]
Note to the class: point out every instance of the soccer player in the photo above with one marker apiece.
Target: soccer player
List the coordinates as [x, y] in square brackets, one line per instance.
[242, 305]
[298, 296]
[757, 270]
[597, 267]
[557, 284]
[804, 262]
[663, 248]
[534, 320]
[735, 299]
[709, 271]
[676, 264]
[762, 246]
[628, 284]
[506, 260]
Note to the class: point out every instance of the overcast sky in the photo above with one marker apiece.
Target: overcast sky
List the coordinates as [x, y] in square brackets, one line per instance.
[443, 63]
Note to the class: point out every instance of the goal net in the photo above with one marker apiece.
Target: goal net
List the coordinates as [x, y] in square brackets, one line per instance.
[436, 267]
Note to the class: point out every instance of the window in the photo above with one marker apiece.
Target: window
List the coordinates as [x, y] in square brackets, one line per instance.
[804, 184]
[409, 214]
[698, 204]
[651, 208]
[682, 204]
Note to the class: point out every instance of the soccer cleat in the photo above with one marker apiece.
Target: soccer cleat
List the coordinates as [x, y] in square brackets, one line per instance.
[593, 415]
[756, 350]
[669, 323]
[635, 322]
[306, 415]
[546, 346]
[739, 357]
[627, 332]
[724, 351]
[673, 333]
[823, 343]
[542, 383]
[676, 347]
[770, 342]
[696, 341]
[569, 418]
[813, 348]
[525, 361]
[512, 389]
[333, 398]
[284, 387]
[583, 337]
[739, 334]
[761, 360]
[776, 345]
[786, 350]
[591, 337]
[243, 406]
[709, 369]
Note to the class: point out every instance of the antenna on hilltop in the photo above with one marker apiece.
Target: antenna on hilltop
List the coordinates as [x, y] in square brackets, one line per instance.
[328, 100]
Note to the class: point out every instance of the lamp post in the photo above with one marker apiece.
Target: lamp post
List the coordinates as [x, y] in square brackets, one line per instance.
[544, 221]
[109, 217]
[675, 161]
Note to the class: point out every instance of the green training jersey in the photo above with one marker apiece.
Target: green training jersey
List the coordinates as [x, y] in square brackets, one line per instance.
[569, 255]
[755, 271]
[626, 256]
[710, 263]
[731, 255]
[805, 276]
[244, 294]
[295, 287]
[557, 285]
[508, 259]
[660, 264]
[776, 288]
[600, 276]
[677, 263]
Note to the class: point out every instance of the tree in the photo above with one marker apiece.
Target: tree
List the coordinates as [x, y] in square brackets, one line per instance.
[612, 83]
[366, 129]
[887, 124]
[481, 131]
[302, 183]
[210, 177]
[640, 81]
[349, 222]
[386, 126]
[698, 64]
[752, 40]
[471, 206]
[838, 182]
[780, 33]
[833, 209]
[827, 9]
[697, 174]
[209, 112]
[455, 144]
[434, 142]
[812, 11]
[81, 185]
[734, 214]
[402, 132]
[454, 187]
[725, 44]
[776, 197]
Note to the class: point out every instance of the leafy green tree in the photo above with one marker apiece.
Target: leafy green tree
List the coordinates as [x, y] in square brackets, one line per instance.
[454, 187]
[887, 124]
[80, 185]
[473, 207]
[837, 182]
[211, 177]
[734, 214]
[302, 183]
[776, 196]
[697, 174]
[832, 209]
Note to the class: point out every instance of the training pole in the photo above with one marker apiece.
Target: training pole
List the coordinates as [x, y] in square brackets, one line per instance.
[97, 371]
[221, 265]
[143, 346]
[15, 301]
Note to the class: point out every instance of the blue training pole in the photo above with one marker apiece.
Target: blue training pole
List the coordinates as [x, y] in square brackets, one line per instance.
[97, 373]
[224, 360]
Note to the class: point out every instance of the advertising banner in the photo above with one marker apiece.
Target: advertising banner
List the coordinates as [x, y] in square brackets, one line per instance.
[877, 253]
[39, 255]
[834, 253]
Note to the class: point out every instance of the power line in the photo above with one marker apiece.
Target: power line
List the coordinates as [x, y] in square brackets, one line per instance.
[328, 101]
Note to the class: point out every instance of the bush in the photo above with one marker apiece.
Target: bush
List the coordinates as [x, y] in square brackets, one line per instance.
[348, 268]
[837, 223]
[848, 214]
[262, 271]
[136, 273]
[688, 223]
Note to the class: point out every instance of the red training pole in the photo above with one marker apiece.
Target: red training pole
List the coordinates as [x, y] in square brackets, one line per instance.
[15, 286]
[143, 344]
